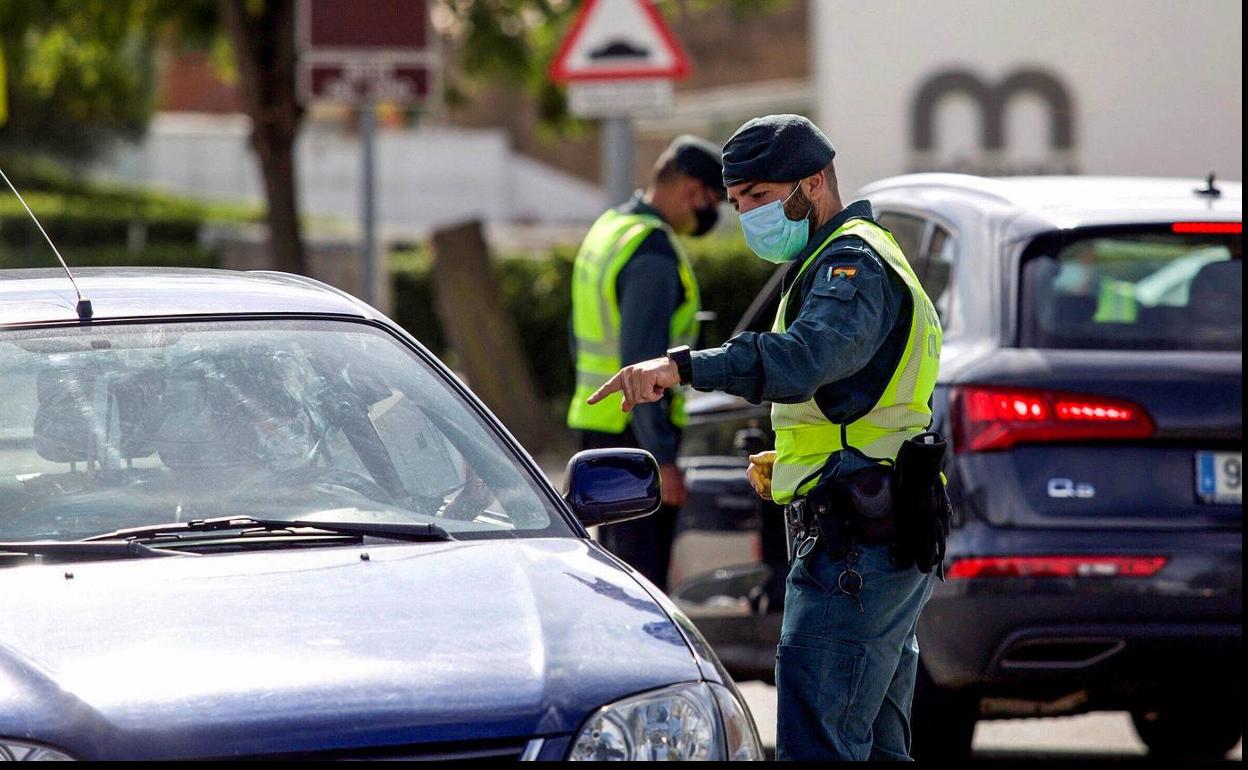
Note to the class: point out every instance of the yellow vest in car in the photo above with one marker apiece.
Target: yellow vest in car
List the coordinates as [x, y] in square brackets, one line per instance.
[611, 242]
[806, 438]
[1115, 302]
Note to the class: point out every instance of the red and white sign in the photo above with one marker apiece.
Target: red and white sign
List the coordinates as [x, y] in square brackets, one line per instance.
[361, 53]
[619, 40]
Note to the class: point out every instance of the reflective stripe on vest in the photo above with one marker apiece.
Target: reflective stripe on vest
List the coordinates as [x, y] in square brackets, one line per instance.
[806, 438]
[608, 246]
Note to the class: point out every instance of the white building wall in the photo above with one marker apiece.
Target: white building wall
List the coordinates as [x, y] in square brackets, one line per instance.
[425, 177]
[1155, 86]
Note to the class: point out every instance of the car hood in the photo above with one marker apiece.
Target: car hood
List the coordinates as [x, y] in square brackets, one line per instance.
[300, 650]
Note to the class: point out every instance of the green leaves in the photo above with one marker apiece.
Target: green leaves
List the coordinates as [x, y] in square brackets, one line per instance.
[79, 72]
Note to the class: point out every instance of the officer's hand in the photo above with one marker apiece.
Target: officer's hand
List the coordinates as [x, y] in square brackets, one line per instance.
[640, 383]
[759, 473]
[672, 485]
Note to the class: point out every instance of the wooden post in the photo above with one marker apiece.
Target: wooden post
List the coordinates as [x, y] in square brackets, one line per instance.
[491, 358]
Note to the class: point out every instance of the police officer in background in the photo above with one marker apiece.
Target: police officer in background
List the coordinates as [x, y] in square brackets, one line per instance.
[634, 296]
[849, 366]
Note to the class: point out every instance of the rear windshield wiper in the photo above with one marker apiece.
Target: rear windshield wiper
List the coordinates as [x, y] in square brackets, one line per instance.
[390, 530]
[77, 549]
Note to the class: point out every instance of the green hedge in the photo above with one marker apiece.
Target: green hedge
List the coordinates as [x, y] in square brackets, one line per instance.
[78, 213]
[536, 291]
[153, 255]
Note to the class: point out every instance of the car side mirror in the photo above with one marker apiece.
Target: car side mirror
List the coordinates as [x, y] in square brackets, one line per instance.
[605, 486]
[725, 591]
[750, 441]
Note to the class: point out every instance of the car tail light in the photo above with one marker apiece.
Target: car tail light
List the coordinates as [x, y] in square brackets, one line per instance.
[1056, 566]
[1208, 228]
[990, 418]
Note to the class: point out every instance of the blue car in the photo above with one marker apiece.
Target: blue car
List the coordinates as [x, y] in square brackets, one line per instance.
[245, 515]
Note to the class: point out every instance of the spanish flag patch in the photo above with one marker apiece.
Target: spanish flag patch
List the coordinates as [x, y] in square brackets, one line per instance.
[842, 271]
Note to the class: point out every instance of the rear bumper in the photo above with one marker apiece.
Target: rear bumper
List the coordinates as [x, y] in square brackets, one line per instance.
[1117, 639]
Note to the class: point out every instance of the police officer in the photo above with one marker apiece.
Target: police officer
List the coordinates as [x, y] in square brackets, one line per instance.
[634, 296]
[849, 366]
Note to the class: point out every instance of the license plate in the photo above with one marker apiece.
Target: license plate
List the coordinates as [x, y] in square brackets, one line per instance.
[1219, 477]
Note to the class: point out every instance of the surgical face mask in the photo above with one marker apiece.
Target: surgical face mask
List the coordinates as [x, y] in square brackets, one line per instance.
[771, 234]
[706, 217]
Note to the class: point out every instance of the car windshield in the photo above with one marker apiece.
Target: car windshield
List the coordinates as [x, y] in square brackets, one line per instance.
[1135, 289]
[109, 427]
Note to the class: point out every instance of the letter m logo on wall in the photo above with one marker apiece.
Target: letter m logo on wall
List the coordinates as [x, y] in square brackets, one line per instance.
[992, 102]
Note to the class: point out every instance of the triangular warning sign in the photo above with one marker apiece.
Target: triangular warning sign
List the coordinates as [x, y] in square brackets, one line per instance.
[615, 39]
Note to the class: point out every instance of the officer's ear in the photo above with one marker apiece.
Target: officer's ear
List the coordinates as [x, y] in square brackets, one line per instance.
[815, 186]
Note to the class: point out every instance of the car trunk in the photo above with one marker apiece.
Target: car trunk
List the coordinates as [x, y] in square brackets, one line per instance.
[1193, 400]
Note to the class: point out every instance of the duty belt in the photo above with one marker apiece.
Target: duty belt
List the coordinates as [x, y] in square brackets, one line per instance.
[804, 531]
[806, 536]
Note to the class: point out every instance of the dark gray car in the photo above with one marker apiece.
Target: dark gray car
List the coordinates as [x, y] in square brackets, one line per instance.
[1091, 386]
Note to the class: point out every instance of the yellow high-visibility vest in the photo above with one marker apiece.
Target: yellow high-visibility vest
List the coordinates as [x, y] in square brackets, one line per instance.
[806, 438]
[608, 246]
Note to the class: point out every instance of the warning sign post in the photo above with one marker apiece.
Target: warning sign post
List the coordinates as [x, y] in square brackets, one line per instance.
[362, 54]
[618, 60]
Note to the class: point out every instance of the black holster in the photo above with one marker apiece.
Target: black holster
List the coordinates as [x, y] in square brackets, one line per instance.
[924, 512]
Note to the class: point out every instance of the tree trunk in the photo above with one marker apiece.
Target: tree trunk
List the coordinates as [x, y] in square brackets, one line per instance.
[263, 35]
[484, 338]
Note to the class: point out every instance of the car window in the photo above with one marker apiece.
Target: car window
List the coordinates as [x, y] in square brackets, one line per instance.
[908, 232]
[1134, 289]
[760, 316]
[937, 265]
[108, 427]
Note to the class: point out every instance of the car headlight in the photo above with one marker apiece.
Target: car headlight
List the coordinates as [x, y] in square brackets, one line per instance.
[11, 750]
[701, 721]
[740, 733]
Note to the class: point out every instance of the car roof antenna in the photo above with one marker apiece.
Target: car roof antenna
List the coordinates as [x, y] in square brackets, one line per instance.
[84, 305]
[1209, 189]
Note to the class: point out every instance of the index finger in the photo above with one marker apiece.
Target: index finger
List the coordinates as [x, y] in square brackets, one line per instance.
[610, 386]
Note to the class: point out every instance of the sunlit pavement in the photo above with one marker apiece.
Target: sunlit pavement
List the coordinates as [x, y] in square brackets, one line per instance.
[1106, 735]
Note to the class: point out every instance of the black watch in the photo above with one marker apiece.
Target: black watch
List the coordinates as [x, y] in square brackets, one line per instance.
[684, 363]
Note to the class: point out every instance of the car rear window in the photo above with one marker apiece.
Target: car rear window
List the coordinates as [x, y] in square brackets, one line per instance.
[1134, 289]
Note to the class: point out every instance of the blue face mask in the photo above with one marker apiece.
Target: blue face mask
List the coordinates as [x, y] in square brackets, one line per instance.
[772, 235]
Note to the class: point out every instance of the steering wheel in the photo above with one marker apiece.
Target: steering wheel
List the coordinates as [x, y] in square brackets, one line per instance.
[471, 499]
[338, 477]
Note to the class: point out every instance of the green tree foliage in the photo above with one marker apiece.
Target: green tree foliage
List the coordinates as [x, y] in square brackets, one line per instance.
[515, 41]
[79, 72]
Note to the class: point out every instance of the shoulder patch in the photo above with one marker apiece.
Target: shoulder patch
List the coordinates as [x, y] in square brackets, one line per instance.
[841, 271]
[838, 288]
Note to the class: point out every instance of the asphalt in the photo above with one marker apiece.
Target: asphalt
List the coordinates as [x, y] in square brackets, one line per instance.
[1096, 736]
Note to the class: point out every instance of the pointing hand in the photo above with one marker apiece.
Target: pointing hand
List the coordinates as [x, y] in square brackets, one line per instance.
[640, 383]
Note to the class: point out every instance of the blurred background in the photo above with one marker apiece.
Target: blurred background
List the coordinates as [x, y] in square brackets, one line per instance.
[393, 159]
[188, 132]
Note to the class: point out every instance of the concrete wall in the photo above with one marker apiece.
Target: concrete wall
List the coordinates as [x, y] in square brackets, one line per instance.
[1144, 87]
[425, 177]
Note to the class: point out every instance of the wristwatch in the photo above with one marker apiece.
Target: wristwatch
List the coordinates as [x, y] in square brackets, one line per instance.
[684, 363]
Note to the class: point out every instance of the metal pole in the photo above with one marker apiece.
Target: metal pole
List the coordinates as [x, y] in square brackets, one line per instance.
[368, 213]
[617, 158]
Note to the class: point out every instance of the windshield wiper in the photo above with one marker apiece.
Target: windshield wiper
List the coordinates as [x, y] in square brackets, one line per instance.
[391, 530]
[78, 549]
